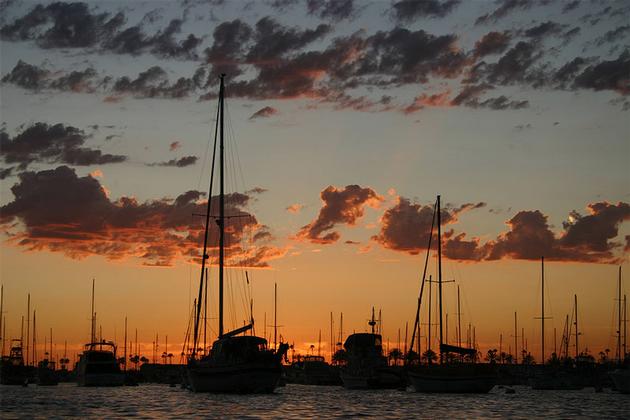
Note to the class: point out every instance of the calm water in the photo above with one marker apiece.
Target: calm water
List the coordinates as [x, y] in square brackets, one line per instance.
[302, 401]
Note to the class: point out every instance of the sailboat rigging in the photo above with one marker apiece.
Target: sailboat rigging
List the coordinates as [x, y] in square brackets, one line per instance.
[236, 363]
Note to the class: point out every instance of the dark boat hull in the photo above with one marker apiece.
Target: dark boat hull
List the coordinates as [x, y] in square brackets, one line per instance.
[452, 380]
[101, 379]
[621, 379]
[378, 379]
[240, 379]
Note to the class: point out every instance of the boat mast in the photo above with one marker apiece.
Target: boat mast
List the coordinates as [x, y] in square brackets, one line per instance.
[459, 321]
[332, 352]
[275, 316]
[439, 238]
[515, 339]
[430, 325]
[577, 333]
[125, 351]
[416, 326]
[221, 220]
[205, 256]
[2, 332]
[28, 326]
[625, 323]
[93, 326]
[542, 316]
[619, 319]
[35, 339]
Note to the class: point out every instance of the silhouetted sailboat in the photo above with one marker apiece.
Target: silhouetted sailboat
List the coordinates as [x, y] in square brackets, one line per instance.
[97, 364]
[236, 363]
[448, 377]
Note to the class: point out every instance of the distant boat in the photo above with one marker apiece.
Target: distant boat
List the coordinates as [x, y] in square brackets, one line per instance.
[366, 366]
[312, 370]
[98, 365]
[46, 373]
[236, 363]
[449, 377]
[12, 369]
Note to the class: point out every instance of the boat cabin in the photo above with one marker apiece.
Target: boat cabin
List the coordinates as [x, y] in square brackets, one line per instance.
[364, 344]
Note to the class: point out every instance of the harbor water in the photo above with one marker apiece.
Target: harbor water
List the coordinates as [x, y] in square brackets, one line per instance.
[303, 401]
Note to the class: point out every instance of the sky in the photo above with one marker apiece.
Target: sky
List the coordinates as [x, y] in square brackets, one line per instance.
[345, 120]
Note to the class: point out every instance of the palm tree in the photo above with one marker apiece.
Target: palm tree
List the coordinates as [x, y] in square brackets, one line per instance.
[395, 354]
[429, 356]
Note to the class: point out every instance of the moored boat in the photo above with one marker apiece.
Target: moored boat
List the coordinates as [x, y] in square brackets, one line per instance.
[621, 379]
[236, 363]
[12, 368]
[98, 366]
[448, 377]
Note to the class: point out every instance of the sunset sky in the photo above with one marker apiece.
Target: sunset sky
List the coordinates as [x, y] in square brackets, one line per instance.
[345, 120]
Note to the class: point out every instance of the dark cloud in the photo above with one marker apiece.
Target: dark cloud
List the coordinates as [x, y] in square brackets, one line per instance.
[505, 7]
[584, 238]
[265, 112]
[340, 206]
[273, 41]
[154, 83]
[57, 143]
[27, 76]
[6, 172]
[613, 35]
[73, 25]
[498, 104]
[492, 43]
[335, 10]
[607, 75]
[406, 226]
[544, 29]
[570, 5]
[31, 77]
[513, 66]
[178, 163]
[80, 220]
[408, 10]
[282, 5]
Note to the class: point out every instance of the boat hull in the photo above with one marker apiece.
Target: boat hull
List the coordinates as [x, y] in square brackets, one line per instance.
[556, 381]
[452, 381]
[253, 379]
[381, 379]
[621, 379]
[101, 379]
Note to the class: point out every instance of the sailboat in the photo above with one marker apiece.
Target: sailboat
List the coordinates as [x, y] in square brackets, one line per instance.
[553, 376]
[449, 377]
[236, 363]
[98, 365]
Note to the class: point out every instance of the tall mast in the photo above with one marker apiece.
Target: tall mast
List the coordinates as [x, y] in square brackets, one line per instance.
[625, 323]
[459, 320]
[577, 333]
[542, 316]
[619, 319]
[515, 339]
[125, 351]
[28, 326]
[2, 332]
[204, 255]
[275, 316]
[35, 338]
[439, 240]
[332, 351]
[221, 202]
[430, 325]
[93, 316]
[416, 326]
[205, 312]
